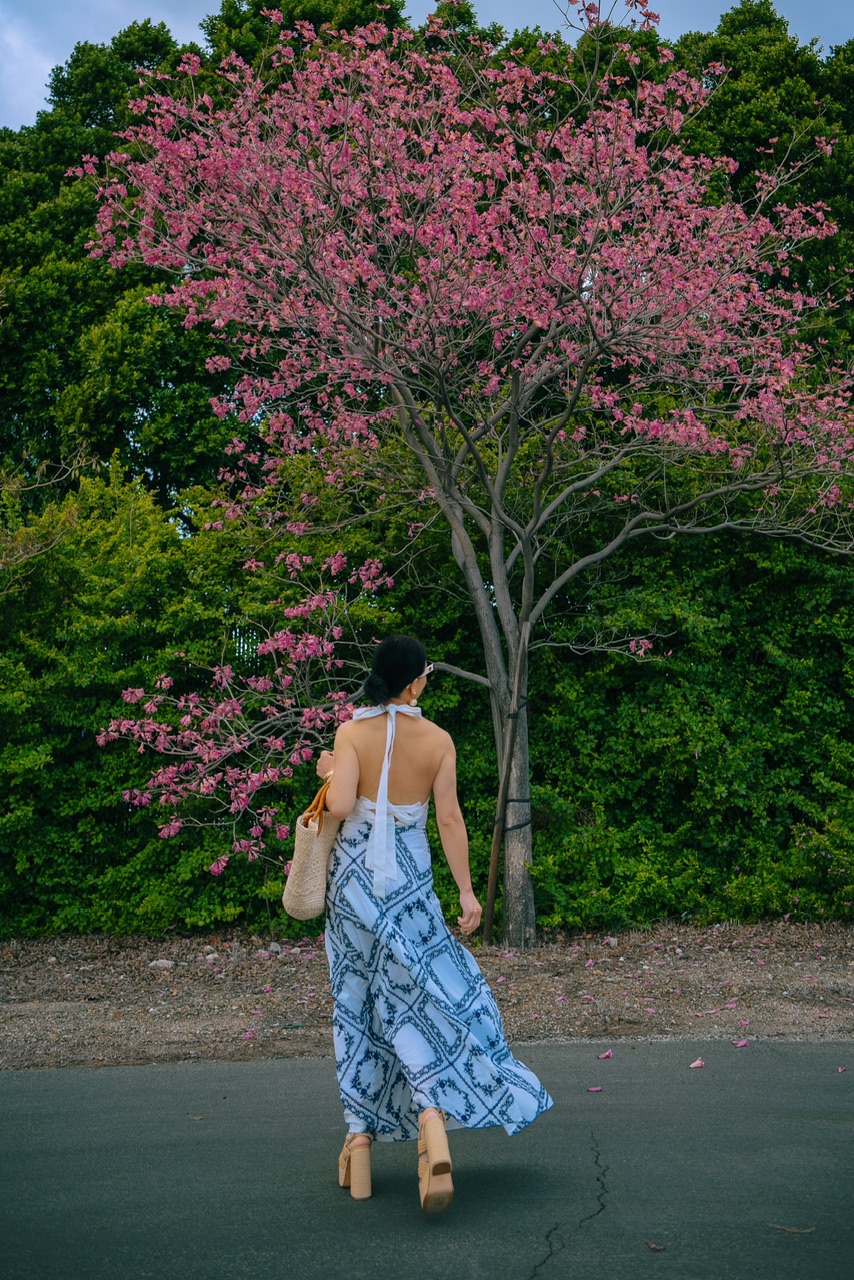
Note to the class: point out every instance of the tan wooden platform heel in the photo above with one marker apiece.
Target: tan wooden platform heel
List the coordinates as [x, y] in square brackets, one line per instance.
[354, 1165]
[434, 1163]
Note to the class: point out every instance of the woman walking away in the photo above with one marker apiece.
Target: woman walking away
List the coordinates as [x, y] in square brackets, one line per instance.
[419, 1043]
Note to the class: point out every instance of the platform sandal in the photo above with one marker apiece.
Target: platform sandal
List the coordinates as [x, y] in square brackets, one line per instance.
[354, 1165]
[434, 1163]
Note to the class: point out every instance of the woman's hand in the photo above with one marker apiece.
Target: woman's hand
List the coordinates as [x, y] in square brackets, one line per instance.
[325, 763]
[471, 912]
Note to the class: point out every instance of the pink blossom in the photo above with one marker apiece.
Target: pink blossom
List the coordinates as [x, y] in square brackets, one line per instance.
[336, 563]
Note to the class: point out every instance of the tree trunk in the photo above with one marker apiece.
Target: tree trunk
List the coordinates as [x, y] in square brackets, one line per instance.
[520, 928]
[513, 805]
[508, 680]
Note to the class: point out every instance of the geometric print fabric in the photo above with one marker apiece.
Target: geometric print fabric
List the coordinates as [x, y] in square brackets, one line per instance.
[414, 1023]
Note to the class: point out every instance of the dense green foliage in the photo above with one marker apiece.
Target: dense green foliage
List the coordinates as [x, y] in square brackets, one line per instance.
[104, 609]
[85, 363]
[777, 98]
[711, 781]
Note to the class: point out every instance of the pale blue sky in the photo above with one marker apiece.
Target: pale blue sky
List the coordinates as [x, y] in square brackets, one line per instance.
[37, 35]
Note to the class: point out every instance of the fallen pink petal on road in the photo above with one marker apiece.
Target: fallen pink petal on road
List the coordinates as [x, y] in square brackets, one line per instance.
[595, 1088]
[699, 1063]
[609, 1054]
[741, 1044]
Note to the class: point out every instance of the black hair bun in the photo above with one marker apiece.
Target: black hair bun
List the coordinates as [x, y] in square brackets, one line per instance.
[376, 689]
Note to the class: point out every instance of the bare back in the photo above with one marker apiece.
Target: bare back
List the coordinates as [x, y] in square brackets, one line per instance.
[423, 762]
[419, 748]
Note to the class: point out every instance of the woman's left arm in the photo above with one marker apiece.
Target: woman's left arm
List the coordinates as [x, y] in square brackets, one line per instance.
[344, 787]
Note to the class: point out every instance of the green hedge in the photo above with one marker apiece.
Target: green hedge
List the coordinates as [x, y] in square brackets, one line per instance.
[711, 782]
[714, 782]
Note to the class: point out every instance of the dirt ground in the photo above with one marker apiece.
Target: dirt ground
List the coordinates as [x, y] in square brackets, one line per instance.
[102, 1001]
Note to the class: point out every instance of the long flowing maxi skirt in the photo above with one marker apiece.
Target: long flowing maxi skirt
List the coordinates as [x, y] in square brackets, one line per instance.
[415, 1024]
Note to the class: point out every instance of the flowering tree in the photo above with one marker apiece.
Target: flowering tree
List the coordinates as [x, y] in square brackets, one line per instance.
[500, 288]
[230, 750]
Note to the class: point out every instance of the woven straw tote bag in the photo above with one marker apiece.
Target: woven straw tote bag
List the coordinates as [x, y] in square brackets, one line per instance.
[305, 891]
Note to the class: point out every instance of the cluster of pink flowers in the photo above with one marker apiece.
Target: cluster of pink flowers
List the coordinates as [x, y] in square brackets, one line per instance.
[231, 751]
[593, 247]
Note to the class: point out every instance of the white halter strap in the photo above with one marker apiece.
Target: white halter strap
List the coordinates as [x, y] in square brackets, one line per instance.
[380, 856]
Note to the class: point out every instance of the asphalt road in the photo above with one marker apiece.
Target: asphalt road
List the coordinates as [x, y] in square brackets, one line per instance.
[219, 1171]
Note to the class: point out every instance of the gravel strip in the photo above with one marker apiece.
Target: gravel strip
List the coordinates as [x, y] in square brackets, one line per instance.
[106, 1001]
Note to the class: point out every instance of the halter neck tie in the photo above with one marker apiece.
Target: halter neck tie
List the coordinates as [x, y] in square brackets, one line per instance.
[380, 856]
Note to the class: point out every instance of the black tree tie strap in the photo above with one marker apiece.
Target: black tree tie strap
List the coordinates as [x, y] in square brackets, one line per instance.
[515, 826]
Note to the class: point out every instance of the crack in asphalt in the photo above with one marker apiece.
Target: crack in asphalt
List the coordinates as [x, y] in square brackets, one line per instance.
[600, 1178]
[554, 1239]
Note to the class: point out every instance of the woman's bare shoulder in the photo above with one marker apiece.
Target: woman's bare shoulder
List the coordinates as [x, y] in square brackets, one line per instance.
[440, 737]
[362, 730]
[350, 731]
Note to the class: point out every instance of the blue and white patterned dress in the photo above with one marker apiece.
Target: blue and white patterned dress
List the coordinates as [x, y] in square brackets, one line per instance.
[415, 1024]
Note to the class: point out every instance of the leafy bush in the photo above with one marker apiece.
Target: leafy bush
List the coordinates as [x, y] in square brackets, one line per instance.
[714, 782]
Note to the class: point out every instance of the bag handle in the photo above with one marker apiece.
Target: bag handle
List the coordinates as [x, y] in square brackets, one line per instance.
[314, 812]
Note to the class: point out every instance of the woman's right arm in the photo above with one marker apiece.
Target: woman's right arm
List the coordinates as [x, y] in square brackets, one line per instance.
[344, 787]
[454, 837]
